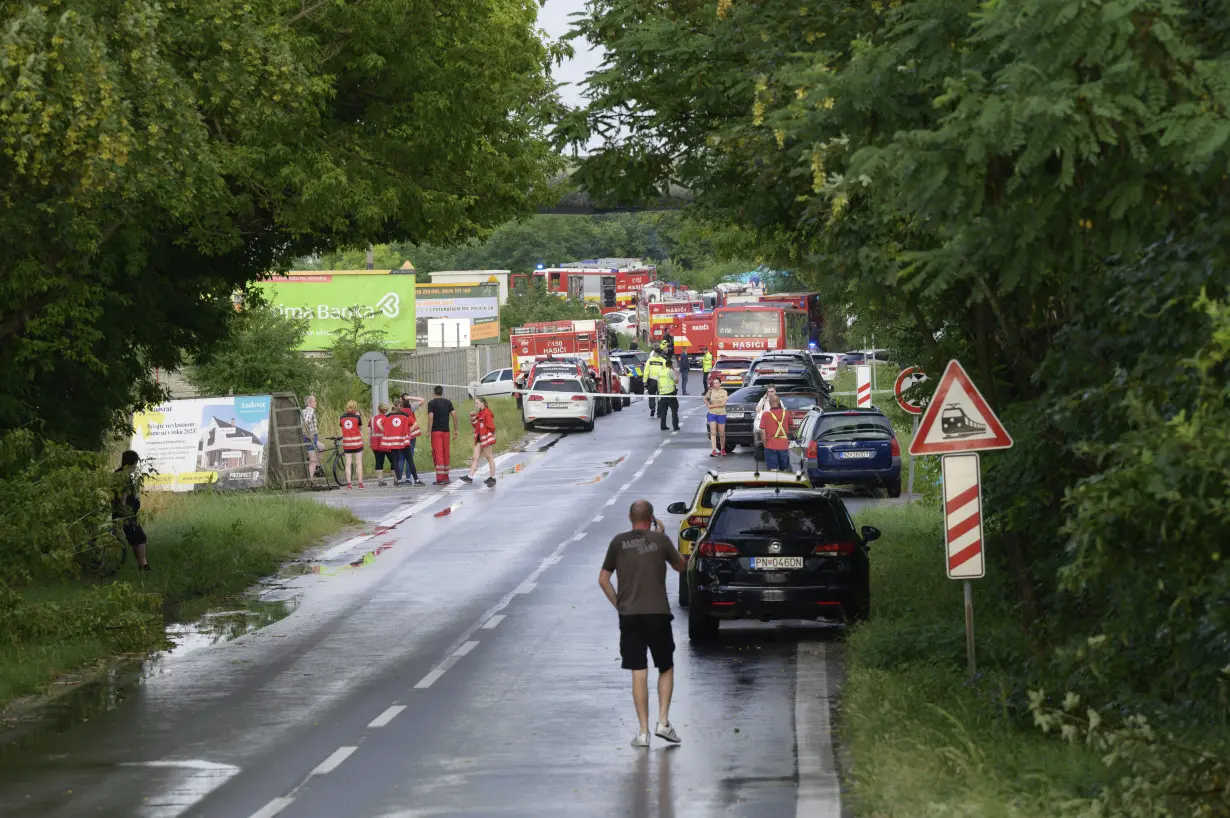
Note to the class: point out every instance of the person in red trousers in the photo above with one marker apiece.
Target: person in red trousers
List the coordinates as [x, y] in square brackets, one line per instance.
[442, 421]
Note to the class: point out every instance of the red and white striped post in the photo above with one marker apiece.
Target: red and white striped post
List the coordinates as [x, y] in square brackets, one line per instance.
[863, 390]
[963, 532]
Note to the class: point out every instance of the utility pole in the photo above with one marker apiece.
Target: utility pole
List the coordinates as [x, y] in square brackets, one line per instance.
[371, 256]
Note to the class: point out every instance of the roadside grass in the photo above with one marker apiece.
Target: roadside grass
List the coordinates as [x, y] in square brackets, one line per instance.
[507, 425]
[922, 739]
[203, 547]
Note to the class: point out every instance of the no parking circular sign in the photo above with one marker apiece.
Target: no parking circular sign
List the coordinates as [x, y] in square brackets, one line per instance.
[908, 378]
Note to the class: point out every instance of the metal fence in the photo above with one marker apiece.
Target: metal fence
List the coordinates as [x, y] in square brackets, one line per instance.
[452, 368]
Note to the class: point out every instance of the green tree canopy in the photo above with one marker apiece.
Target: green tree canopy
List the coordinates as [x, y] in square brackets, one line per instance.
[158, 156]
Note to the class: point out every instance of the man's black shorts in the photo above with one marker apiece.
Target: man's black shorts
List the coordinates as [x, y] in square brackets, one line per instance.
[134, 533]
[641, 632]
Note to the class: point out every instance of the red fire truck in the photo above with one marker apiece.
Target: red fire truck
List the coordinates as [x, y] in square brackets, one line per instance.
[605, 284]
[584, 340]
[747, 330]
[807, 302]
[694, 332]
[653, 319]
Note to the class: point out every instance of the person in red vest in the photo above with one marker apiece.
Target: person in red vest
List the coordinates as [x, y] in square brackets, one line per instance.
[380, 447]
[484, 440]
[352, 441]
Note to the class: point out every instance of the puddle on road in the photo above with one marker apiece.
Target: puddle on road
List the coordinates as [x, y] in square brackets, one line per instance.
[80, 697]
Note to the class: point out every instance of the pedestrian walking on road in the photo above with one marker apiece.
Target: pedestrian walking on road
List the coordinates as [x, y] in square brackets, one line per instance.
[311, 436]
[410, 471]
[715, 403]
[126, 502]
[352, 441]
[638, 558]
[773, 425]
[379, 447]
[668, 392]
[440, 412]
[483, 422]
[685, 363]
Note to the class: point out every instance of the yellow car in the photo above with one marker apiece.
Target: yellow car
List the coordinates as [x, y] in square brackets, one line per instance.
[713, 487]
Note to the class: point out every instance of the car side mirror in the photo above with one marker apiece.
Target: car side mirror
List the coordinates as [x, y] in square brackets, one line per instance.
[690, 534]
[677, 508]
[870, 533]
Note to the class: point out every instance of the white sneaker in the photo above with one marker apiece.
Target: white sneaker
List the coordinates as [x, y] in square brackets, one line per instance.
[640, 740]
[667, 731]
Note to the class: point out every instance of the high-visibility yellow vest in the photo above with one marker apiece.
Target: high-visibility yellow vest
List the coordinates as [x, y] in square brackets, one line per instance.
[666, 380]
[652, 366]
[706, 363]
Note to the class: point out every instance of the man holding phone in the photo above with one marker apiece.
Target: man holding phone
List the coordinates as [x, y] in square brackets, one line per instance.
[639, 557]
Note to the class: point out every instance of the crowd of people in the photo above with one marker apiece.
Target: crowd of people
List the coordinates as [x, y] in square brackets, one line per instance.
[393, 433]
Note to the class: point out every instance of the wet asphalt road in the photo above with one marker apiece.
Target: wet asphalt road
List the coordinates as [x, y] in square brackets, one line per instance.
[468, 666]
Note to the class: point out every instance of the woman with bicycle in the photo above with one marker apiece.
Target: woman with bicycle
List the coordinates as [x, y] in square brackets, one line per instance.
[352, 441]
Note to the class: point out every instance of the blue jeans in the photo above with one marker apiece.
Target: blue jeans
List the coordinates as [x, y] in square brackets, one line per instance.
[404, 465]
[777, 459]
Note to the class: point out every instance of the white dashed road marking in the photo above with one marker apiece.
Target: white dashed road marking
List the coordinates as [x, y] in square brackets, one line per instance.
[493, 621]
[387, 716]
[273, 808]
[334, 761]
[466, 648]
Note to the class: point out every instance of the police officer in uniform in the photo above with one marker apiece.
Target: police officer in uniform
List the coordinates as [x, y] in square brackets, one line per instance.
[669, 391]
[706, 365]
[653, 368]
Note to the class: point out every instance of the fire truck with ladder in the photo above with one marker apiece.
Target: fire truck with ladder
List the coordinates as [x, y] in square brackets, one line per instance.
[604, 284]
[578, 340]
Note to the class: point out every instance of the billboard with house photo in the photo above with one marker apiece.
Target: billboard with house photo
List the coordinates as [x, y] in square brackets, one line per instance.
[205, 442]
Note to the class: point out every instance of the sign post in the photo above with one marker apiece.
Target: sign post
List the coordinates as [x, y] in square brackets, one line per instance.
[909, 377]
[863, 390]
[957, 424]
[373, 370]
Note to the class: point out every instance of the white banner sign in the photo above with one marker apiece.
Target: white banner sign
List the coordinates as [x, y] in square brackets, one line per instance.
[204, 442]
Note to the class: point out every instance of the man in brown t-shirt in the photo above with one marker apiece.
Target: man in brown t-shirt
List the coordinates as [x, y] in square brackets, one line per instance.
[639, 557]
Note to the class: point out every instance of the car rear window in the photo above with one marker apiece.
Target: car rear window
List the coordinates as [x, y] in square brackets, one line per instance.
[779, 381]
[798, 402]
[713, 494]
[748, 394]
[732, 365]
[823, 359]
[557, 385]
[770, 519]
[853, 427]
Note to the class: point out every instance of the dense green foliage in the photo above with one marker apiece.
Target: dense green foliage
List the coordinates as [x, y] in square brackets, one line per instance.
[1037, 188]
[685, 250]
[259, 355]
[158, 155]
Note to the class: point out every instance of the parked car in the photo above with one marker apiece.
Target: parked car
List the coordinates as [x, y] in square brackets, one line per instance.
[797, 396]
[623, 321]
[634, 362]
[496, 383]
[624, 378]
[713, 487]
[777, 554]
[730, 370]
[784, 363]
[828, 363]
[560, 399]
[848, 446]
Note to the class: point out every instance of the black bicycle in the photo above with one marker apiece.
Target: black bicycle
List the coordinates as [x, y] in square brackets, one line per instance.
[105, 553]
[334, 462]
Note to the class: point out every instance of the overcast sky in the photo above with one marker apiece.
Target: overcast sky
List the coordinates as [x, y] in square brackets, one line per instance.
[553, 18]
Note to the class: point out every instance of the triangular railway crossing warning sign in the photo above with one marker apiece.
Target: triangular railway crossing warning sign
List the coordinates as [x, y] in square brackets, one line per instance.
[958, 419]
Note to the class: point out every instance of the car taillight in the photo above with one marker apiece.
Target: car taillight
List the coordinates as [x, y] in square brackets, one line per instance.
[813, 451]
[717, 549]
[697, 521]
[895, 448]
[536, 397]
[839, 548]
[578, 397]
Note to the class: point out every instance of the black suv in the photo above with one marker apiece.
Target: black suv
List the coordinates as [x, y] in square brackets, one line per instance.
[779, 367]
[777, 554]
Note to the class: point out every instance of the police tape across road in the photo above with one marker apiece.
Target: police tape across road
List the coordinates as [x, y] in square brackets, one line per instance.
[513, 391]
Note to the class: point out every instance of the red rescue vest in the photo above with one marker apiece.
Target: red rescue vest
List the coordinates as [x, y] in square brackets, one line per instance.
[484, 427]
[352, 432]
[395, 431]
[377, 435]
[412, 426]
